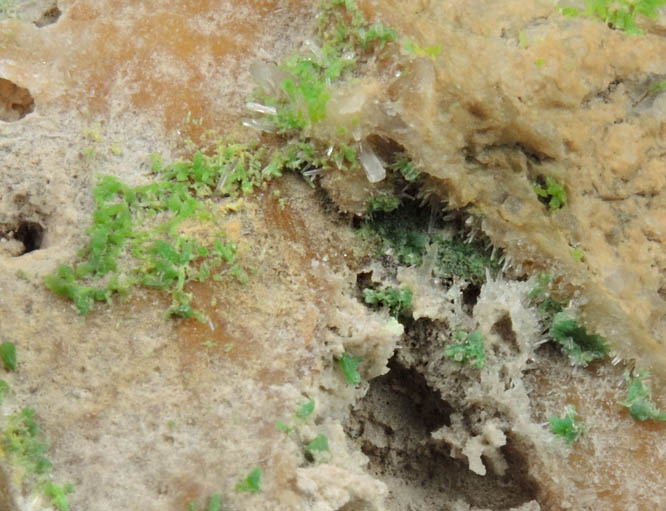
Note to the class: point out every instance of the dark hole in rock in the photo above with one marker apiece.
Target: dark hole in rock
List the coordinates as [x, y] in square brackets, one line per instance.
[392, 425]
[504, 328]
[504, 376]
[363, 281]
[31, 235]
[15, 102]
[470, 296]
[49, 16]
[385, 148]
[541, 183]
[420, 335]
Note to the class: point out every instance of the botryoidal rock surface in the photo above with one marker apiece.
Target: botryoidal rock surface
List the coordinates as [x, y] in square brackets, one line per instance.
[145, 413]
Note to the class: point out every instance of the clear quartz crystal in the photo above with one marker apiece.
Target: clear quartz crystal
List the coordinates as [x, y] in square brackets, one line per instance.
[259, 125]
[268, 76]
[259, 108]
[314, 48]
[372, 165]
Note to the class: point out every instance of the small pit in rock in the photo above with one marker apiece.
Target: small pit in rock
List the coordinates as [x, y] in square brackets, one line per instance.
[20, 239]
[392, 425]
[15, 101]
[424, 232]
[49, 16]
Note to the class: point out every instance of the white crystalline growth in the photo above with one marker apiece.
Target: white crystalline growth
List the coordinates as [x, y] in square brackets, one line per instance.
[331, 488]
[268, 76]
[473, 447]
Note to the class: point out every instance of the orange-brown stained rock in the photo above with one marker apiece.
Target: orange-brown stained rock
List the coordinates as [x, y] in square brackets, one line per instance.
[163, 59]
[283, 295]
[263, 332]
[131, 371]
[169, 58]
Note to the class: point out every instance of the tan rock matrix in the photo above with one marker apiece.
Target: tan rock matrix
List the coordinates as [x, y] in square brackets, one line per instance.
[517, 93]
[489, 99]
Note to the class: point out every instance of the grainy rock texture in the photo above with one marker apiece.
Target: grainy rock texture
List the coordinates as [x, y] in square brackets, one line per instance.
[147, 413]
[490, 115]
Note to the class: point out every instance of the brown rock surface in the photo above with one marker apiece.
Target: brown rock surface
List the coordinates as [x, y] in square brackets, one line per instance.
[488, 116]
[146, 413]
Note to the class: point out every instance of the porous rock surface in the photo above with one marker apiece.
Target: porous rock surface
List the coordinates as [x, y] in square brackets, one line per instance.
[145, 413]
[518, 93]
